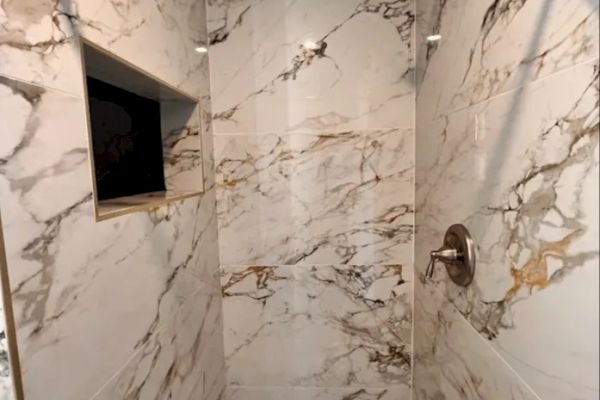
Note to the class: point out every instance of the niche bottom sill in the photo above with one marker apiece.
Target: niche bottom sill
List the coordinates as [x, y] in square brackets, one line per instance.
[107, 209]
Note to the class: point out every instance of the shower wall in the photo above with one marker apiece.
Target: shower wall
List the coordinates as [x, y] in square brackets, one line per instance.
[125, 308]
[313, 107]
[507, 144]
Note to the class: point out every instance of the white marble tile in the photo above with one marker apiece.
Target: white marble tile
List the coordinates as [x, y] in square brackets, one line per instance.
[182, 146]
[79, 286]
[311, 65]
[183, 359]
[452, 361]
[318, 199]
[160, 36]
[496, 46]
[326, 326]
[297, 393]
[39, 43]
[521, 171]
[208, 148]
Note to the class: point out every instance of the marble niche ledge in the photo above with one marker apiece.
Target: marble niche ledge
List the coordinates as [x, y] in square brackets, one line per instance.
[107, 209]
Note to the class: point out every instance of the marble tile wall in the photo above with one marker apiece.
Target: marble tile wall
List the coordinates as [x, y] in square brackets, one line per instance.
[125, 308]
[507, 144]
[182, 146]
[331, 326]
[313, 106]
[452, 361]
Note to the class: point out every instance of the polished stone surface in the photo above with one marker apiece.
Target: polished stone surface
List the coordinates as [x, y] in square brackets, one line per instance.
[137, 296]
[330, 326]
[313, 105]
[507, 144]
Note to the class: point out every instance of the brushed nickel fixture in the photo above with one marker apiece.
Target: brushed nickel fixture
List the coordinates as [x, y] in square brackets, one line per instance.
[458, 254]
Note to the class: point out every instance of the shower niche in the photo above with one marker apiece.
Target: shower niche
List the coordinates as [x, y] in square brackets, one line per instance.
[144, 136]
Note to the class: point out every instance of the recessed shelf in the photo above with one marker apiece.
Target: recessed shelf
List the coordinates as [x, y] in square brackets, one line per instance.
[107, 209]
[144, 136]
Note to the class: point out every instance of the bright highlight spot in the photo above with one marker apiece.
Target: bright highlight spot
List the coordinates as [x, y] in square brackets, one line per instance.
[434, 38]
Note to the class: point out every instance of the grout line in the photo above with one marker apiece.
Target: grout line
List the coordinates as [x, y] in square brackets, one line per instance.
[156, 333]
[519, 88]
[43, 86]
[486, 342]
[284, 132]
[224, 267]
[414, 206]
[340, 387]
[116, 374]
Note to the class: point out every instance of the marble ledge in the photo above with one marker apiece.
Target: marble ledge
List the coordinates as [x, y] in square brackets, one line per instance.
[113, 208]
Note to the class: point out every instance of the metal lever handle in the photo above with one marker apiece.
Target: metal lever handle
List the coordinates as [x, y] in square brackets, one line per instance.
[445, 254]
[457, 253]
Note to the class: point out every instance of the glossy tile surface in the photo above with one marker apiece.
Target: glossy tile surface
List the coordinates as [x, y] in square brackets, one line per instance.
[452, 361]
[318, 326]
[508, 146]
[38, 43]
[533, 209]
[182, 146]
[311, 65]
[184, 360]
[313, 107]
[491, 47]
[62, 263]
[332, 198]
[125, 293]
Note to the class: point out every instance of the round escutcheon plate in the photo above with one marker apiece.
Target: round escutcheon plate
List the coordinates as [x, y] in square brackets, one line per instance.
[462, 270]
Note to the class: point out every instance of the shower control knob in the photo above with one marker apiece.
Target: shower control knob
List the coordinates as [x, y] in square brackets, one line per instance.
[458, 254]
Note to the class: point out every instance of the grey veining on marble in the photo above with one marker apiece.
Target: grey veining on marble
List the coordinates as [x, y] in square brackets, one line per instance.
[452, 362]
[182, 361]
[318, 326]
[507, 143]
[313, 106]
[498, 46]
[332, 198]
[182, 146]
[63, 264]
[139, 295]
[39, 44]
[535, 221]
[311, 65]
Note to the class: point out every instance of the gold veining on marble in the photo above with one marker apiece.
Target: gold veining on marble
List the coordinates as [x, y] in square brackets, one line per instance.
[534, 273]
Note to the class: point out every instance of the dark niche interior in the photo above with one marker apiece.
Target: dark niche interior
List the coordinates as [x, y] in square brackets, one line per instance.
[127, 141]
